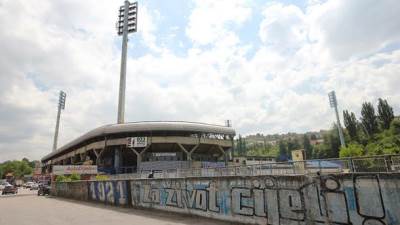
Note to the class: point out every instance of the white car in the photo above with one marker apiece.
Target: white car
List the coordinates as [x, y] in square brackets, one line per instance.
[3, 185]
[34, 186]
[28, 184]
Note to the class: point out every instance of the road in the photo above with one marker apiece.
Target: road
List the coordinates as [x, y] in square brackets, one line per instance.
[26, 208]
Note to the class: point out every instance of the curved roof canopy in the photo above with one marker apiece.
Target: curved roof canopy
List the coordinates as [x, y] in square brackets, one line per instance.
[144, 127]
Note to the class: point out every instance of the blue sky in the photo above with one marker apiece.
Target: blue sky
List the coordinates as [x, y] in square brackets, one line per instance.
[265, 65]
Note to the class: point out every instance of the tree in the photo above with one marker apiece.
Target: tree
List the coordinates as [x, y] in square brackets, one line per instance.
[331, 146]
[350, 122]
[241, 146]
[351, 150]
[18, 168]
[333, 142]
[293, 144]
[282, 151]
[368, 119]
[395, 127]
[307, 147]
[385, 113]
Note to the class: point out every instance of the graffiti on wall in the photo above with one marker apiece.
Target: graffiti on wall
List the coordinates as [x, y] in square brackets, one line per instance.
[270, 200]
[110, 192]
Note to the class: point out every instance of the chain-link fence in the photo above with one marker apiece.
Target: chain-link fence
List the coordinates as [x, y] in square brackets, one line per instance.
[378, 164]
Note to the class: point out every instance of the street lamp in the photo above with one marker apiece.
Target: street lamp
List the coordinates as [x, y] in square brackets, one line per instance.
[61, 105]
[333, 103]
[127, 23]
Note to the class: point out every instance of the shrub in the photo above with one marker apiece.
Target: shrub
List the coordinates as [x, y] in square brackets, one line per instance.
[60, 178]
[75, 177]
[351, 150]
[101, 177]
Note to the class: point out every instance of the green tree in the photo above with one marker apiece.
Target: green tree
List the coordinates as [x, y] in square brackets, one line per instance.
[350, 122]
[368, 119]
[331, 146]
[18, 168]
[385, 113]
[395, 127]
[307, 147]
[292, 144]
[282, 151]
[241, 146]
[351, 150]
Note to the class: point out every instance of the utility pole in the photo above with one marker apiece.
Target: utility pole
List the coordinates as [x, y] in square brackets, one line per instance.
[333, 103]
[127, 23]
[61, 105]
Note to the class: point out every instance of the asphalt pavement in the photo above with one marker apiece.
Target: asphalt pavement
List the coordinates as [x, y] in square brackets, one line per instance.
[26, 208]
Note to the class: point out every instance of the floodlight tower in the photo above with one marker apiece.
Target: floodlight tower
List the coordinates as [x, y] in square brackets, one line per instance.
[333, 103]
[127, 23]
[61, 105]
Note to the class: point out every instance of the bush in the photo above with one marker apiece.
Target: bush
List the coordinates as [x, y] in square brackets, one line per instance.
[351, 150]
[61, 178]
[75, 177]
[72, 177]
[101, 177]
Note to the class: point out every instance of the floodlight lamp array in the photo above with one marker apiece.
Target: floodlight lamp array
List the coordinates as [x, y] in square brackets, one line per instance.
[61, 100]
[131, 17]
[332, 99]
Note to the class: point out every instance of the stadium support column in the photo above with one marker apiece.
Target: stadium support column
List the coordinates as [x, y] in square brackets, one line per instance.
[188, 155]
[188, 152]
[139, 156]
[232, 149]
[117, 159]
[223, 153]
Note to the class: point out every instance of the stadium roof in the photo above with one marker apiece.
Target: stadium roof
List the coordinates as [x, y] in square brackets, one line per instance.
[146, 126]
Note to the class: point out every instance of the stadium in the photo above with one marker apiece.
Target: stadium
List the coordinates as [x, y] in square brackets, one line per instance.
[139, 146]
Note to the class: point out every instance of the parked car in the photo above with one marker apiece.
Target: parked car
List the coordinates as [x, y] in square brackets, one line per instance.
[28, 184]
[2, 185]
[34, 186]
[44, 189]
[9, 189]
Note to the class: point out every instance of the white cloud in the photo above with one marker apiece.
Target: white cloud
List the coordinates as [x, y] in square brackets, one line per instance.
[283, 27]
[210, 20]
[148, 26]
[355, 28]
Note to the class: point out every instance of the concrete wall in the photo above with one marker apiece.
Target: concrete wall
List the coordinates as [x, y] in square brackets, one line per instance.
[74, 190]
[336, 199]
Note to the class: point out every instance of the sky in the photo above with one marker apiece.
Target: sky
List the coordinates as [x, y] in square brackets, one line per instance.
[265, 65]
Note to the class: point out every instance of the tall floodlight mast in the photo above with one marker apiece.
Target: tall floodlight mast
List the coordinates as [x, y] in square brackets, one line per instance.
[333, 103]
[127, 23]
[61, 105]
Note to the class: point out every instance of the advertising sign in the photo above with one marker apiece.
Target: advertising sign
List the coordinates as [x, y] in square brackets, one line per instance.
[74, 169]
[137, 142]
[164, 154]
[298, 155]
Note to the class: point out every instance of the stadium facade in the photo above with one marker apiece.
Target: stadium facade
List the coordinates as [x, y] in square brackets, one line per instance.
[138, 146]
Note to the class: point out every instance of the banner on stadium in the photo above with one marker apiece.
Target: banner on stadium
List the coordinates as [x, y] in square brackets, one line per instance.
[137, 142]
[74, 169]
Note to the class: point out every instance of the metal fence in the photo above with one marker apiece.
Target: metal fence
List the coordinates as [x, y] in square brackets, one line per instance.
[378, 164]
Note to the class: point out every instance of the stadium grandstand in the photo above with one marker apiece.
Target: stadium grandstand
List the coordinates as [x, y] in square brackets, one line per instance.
[138, 146]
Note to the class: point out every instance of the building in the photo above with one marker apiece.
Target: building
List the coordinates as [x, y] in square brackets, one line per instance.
[138, 146]
[317, 142]
[252, 160]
